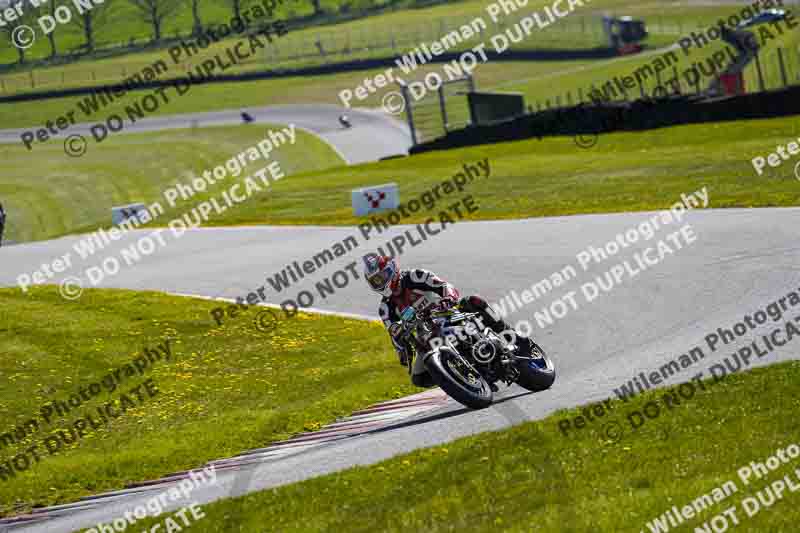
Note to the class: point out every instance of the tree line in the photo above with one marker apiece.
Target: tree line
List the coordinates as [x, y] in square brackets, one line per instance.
[153, 12]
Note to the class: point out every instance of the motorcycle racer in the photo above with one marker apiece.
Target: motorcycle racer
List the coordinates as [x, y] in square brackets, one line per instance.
[401, 288]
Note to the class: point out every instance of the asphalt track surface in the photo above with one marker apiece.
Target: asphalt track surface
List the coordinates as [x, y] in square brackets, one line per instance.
[742, 260]
[374, 134]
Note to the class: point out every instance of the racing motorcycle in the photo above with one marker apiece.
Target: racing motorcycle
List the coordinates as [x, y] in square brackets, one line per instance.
[345, 122]
[465, 361]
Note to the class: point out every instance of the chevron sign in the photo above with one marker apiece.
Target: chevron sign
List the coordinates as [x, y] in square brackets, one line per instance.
[376, 198]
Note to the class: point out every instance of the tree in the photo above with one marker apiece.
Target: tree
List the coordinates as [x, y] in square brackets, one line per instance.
[154, 12]
[51, 37]
[13, 35]
[197, 25]
[317, 6]
[89, 20]
[237, 8]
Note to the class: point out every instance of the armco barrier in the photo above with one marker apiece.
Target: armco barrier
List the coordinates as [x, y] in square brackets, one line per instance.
[622, 116]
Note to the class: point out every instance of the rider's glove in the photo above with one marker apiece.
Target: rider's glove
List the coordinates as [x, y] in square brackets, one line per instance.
[446, 303]
[396, 332]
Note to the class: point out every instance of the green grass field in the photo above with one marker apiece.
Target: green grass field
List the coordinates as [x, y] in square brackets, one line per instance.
[624, 172]
[543, 84]
[379, 35]
[293, 90]
[564, 84]
[345, 42]
[780, 48]
[226, 389]
[47, 193]
[533, 478]
[122, 23]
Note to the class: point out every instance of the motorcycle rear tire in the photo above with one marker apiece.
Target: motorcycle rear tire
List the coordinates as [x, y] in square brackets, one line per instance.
[537, 374]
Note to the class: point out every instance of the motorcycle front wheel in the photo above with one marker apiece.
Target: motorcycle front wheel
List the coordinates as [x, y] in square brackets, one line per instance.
[459, 381]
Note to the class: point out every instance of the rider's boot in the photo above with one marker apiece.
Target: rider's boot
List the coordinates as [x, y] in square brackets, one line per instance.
[524, 346]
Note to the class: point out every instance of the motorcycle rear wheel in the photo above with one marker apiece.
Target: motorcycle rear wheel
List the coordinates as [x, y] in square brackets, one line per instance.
[536, 373]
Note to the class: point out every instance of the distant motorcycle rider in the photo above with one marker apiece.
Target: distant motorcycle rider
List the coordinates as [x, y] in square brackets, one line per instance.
[401, 288]
[2, 223]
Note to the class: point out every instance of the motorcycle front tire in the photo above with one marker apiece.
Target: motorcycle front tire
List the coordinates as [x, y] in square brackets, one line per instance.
[465, 393]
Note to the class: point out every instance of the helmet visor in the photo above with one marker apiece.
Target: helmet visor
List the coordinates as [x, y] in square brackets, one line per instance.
[379, 279]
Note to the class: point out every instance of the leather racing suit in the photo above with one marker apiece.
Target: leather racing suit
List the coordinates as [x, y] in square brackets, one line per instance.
[413, 285]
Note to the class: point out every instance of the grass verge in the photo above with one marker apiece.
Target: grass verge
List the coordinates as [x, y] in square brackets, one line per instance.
[385, 35]
[225, 389]
[48, 193]
[376, 35]
[532, 478]
[625, 172]
[292, 90]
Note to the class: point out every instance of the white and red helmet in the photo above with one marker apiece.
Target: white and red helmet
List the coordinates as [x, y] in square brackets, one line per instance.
[381, 273]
